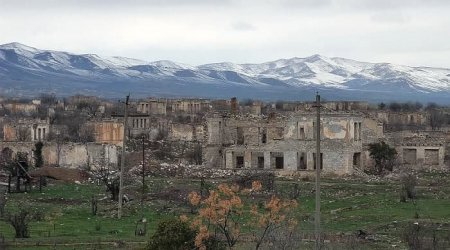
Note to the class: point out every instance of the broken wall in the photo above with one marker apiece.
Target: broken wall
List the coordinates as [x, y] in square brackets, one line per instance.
[69, 155]
[110, 132]
[186, 132]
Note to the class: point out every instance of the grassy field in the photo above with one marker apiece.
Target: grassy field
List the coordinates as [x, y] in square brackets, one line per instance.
[64, 220]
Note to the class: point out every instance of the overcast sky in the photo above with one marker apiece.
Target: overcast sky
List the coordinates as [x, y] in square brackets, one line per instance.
[410, 32]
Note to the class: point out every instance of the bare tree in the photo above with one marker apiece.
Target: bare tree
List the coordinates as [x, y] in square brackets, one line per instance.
[437, 119]
[194, 155]
[109, 178]
[59, 139]
[48, 99]
[6, 159]
[91, 106]
[86, 133]
[1, 128]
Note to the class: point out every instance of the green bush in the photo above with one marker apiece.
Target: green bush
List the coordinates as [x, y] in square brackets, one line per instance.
[383, 155]
[172, 234]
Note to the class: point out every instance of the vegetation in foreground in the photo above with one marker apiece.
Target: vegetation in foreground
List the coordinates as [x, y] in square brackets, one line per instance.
[356, 214]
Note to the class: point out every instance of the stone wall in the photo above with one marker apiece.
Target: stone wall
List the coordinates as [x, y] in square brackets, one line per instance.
[422, 156]
[397, 121]
[186, 132]
[70, 155]
[21, 107]
[286, 143]
[26, 130]
[419, 150]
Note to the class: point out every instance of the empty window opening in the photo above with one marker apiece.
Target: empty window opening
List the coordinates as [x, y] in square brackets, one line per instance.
[409, 156]
[301, 133]
[321, 160]
[264, 136]
[239, 161]
[279, 162]
[240, 136]
[276, 160]
[260, 162]
[432, 156]
[301, 161]
[357, 159]
[359, 131]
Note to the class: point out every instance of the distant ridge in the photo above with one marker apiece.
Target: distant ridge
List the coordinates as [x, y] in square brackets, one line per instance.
[26, 71]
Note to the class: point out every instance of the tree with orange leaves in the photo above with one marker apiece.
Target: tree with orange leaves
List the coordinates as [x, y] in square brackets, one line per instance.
[272, 218]
[222, 212]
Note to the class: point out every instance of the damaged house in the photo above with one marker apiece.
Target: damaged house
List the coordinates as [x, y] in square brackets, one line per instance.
[287, 142]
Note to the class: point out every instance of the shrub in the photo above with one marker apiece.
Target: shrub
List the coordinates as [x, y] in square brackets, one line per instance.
[19, 222]
[267, 180]
[172, 234]
[409, 183]
[424, 236]
[38, 159]
[383, 155]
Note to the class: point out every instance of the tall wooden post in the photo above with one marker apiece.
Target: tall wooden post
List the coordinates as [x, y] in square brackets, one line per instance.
[122, 160]
[143, 175]
[318, 166]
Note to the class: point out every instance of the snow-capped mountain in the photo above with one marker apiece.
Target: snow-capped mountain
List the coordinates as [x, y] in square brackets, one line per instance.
[25, 70]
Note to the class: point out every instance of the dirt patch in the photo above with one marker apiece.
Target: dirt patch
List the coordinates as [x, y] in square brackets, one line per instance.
[63, 174]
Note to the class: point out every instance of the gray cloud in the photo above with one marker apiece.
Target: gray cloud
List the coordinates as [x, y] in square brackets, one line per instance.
[243, 26]
[124, 4]
[203, 31]
[305, 3]
[390, 17]
[390, 4]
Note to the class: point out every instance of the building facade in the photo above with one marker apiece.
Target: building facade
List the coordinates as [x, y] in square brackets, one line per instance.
[288, 142]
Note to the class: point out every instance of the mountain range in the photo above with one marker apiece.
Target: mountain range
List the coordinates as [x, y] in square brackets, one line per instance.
[26, 71]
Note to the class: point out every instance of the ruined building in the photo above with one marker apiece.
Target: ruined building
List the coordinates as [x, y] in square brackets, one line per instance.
[288, 142]
[248, 135]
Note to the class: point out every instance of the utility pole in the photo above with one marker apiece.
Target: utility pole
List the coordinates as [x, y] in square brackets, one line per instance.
[143, 175]
[318, 166]
[122, 160]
